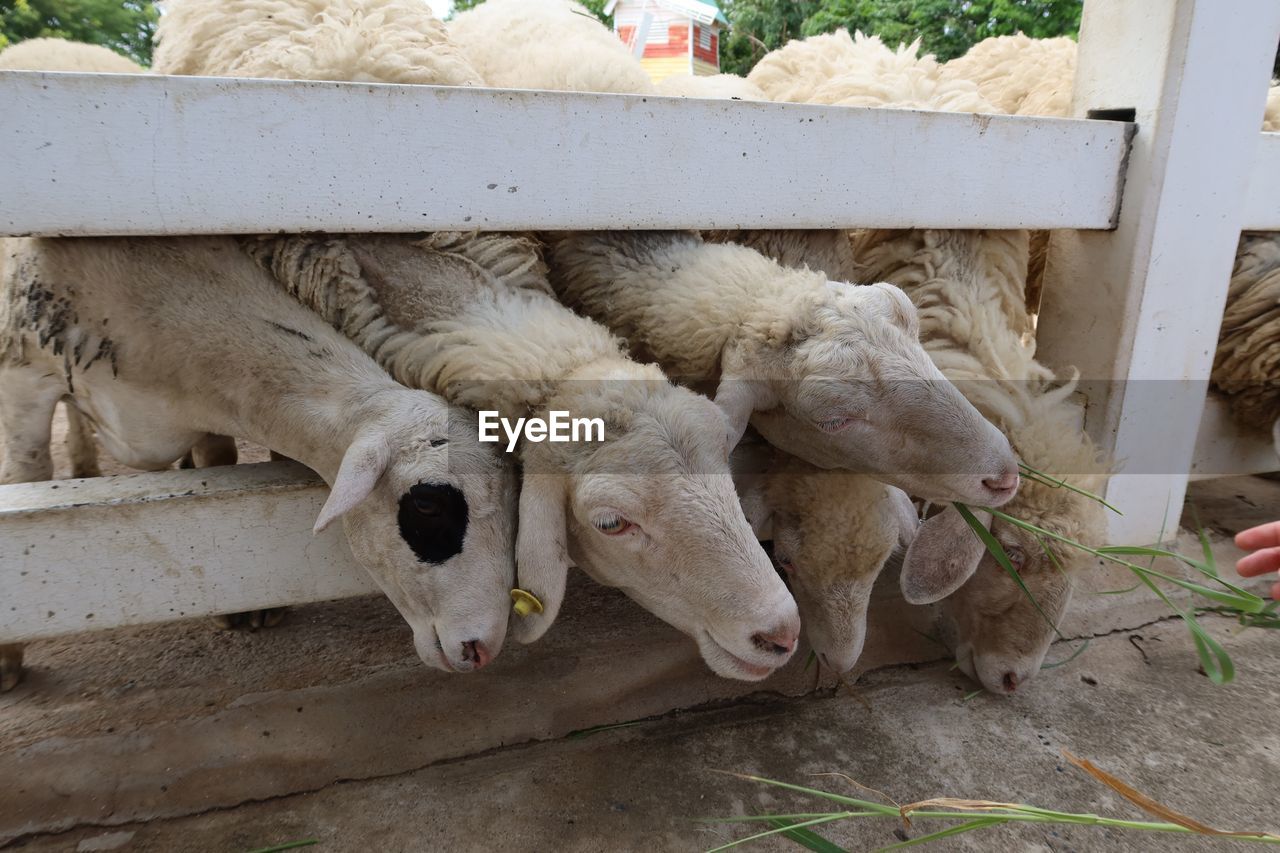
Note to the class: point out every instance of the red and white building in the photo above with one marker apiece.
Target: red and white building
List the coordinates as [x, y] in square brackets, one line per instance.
[671, 36]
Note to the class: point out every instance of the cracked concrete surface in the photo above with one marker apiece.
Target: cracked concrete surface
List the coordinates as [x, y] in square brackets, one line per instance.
[1210, 751]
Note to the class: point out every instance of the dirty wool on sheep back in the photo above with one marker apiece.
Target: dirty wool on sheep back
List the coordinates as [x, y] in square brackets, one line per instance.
[1246, 366]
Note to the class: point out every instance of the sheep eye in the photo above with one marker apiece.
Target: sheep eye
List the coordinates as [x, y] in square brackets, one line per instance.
[439, 442]
[426, 506]
[834, 425]
[1017, 557]
[612, 525]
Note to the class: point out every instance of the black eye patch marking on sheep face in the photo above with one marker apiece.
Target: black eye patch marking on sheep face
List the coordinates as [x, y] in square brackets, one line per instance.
[433, 521]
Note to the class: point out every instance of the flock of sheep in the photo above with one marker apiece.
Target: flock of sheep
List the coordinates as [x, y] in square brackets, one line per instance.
[742, 377]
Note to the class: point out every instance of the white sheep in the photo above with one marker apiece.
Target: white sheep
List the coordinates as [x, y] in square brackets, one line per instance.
[1036, 77]
[832, 533]
[651, 509]
[1019, 75]
[826, 371]
[161, 341]
[365, 41]
[770, 336]
[54, 54]
[968, 289]
[546, 44]
[729, 86]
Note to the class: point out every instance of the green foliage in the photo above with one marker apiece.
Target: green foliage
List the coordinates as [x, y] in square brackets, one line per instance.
[947, 28]
[125, 26]
[759, 26]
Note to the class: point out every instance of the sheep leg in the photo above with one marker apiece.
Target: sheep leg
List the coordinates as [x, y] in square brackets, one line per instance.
[26, 423]
[211, 451]
[81, 448]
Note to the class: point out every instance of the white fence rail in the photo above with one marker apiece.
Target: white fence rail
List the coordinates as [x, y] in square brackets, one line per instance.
[101, 154]
[130, 154]
[82, 555]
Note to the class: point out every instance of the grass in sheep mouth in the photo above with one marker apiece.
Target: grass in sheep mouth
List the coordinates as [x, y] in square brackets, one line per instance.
[1226, 597]
[967, 815]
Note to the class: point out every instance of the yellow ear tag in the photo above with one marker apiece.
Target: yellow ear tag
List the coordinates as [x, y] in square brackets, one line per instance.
[525, 602]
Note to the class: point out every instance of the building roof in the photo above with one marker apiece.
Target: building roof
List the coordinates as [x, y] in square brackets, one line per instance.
[702, 11]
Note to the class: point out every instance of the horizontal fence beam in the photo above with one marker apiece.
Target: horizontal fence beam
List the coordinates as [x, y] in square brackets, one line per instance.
[1262, 204]
[142, 154]
[83, 555]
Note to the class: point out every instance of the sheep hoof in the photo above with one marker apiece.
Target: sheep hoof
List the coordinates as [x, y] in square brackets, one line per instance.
[10, 667]
[251, 620]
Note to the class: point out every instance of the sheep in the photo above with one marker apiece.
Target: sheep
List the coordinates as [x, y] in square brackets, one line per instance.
[364, 41]
[1036, 77]
[546, 44]
[666, 314]
[159, 341]
[1245, 362]
[650, 510]
[54, 54]
[824, 370]
[968, 289]
[832, 533]
[1019, 75]
[710, 86]
[860, 71]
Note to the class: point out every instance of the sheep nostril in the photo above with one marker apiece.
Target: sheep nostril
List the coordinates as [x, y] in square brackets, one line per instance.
[1010, 682]
[1006, 482]
[475, 651]
[778, 643]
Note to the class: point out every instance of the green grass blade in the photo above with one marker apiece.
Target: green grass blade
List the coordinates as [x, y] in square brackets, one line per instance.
[816, 792]
[1055, 482]
[997, 551]
[980, 823]
[791, 827]
[807, 837]
[1074, 655]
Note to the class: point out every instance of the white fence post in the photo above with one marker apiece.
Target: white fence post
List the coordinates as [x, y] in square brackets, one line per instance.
[1137, 309]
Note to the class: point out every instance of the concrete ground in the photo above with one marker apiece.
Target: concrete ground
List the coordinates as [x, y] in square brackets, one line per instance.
[1133, 702]
[179, 737]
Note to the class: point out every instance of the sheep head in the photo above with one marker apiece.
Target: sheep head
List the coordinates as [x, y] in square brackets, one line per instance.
[429, 512]
[832, 533]
[652, 510]
[999, 636]
[850, 386]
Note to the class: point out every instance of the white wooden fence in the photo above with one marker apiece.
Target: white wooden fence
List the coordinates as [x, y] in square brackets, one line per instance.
[1135, 293]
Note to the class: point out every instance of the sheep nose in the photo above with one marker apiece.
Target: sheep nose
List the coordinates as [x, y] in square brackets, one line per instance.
[1010, 682]
[781, 641]
[1006, 482]
[475, 651]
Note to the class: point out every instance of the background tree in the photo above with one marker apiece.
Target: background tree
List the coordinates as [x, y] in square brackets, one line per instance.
[947, 28]
[125, 26]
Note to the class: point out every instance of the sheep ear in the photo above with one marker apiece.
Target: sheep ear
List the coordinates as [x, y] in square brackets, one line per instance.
[362, 465]
[904, 512]
[944, 554]
[737, 398]
[542, 558]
